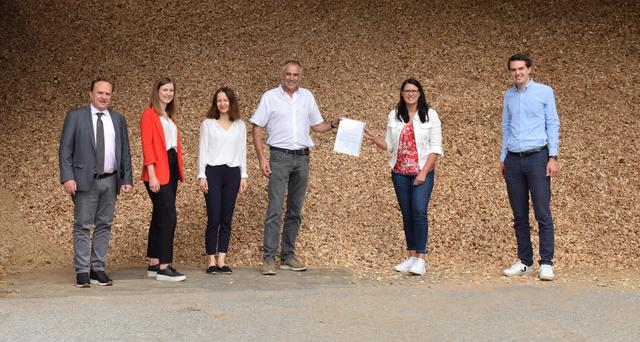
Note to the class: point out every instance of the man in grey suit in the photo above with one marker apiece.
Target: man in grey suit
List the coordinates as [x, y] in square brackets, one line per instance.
[95, 163]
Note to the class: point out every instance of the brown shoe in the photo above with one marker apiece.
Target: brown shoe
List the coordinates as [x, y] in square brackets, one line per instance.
[269, 267]
[293, 264]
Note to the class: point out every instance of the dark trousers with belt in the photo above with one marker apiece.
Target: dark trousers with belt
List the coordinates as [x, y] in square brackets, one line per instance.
[524, 175]
[223, 182]
[163, 219]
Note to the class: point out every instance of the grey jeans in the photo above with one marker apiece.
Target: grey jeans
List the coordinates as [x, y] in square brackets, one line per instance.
[93, 207]
[289, 173]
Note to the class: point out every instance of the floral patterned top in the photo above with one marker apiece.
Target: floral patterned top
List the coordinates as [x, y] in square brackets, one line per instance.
[407, 162]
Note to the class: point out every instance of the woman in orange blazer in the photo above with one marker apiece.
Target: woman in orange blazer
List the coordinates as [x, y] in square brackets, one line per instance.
[163, 167]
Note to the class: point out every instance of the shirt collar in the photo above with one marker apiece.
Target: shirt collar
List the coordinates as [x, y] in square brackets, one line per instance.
[94, 110]
[526, 87]
[295, 93]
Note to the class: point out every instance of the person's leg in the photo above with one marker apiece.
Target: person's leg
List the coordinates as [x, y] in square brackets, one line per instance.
[103, 220]
[171, 219]
[518, 191]
[153, 252]
[85, 204]
[420, 197]
[540, 187]
[402, 185]
[280, 168]
[213, 200]
[229, 196]
[297, 190]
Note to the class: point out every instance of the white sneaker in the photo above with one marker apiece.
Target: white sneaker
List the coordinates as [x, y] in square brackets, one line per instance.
[517, 269]
[418, 267]
[405, 265]
[546, 272]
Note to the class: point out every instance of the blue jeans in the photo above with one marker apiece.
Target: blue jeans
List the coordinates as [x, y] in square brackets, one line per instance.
[414, 201]
[524, 176]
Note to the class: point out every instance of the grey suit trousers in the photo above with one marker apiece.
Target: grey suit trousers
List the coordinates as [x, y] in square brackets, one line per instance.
[94, 207]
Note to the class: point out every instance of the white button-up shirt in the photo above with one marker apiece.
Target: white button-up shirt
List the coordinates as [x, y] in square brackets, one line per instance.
[170, 132]
[109, 137]
[288, 119]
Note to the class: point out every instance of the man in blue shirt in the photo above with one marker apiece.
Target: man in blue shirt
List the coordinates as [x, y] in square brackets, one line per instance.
[529, 158]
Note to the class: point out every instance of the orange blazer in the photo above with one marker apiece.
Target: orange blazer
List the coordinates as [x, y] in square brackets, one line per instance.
[154, 148]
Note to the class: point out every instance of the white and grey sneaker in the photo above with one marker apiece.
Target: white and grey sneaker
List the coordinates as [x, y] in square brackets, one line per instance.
[517, 269]
[405, 265]
[546, 272]
[418, 267]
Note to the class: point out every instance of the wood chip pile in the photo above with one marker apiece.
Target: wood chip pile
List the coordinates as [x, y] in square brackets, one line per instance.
[356, 55]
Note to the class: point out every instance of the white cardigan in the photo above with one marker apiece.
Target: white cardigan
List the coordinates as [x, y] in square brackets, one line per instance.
[428, 136]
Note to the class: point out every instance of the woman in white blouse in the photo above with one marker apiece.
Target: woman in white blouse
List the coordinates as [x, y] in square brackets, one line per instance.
[222, 171]
[414, 139]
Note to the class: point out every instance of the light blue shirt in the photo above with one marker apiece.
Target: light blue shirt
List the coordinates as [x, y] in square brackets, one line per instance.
[530, 119]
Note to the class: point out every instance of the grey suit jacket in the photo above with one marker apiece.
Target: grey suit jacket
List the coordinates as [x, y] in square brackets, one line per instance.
[77, 154]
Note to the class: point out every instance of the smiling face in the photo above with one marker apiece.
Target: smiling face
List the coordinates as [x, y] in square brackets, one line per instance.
[291, 76]
[222, 102]
[165, 93]
[520, 73]
[410, 94]
[101, 95]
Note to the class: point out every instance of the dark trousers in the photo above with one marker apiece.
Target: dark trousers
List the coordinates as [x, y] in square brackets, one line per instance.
[224, 182]
[524, 176]
[163, 219]
[414, 202]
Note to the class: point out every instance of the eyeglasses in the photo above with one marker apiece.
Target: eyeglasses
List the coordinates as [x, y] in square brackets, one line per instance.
[411, 91]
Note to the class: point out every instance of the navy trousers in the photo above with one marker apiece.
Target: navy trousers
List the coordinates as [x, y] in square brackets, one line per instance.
[527, 176]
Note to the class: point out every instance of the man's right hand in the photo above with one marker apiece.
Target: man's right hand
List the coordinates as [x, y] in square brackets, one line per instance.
[502, 168]
[265, 168]
[70, 186]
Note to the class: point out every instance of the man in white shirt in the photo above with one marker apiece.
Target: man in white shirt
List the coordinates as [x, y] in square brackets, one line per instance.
[288, 113]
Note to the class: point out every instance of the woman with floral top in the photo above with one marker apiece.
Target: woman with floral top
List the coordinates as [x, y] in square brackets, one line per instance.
[414, 139]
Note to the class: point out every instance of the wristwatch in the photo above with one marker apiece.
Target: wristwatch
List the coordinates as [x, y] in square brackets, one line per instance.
[554, 157]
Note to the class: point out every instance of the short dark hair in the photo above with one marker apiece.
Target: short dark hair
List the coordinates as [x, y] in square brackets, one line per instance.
[520, 57]
[101, 79]
[234, 110]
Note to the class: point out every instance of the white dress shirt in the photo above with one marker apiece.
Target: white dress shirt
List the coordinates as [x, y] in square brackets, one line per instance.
[288, 119]
[109, 137]
[219, 146]
[428, 136]
[170, 132]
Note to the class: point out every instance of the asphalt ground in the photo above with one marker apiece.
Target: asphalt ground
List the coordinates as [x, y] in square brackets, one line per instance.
[321, 304]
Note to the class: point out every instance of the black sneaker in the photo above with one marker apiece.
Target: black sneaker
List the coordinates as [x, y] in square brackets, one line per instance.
[100, 278]
[152, 271]
[224, 269]
[212, 269]
[170, 274]
[82, 280]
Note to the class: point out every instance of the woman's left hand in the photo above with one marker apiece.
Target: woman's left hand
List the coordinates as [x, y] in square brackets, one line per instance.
[420, 178]
[243, 185]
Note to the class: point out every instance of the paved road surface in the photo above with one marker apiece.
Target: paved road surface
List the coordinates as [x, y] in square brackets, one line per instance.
[317, 305]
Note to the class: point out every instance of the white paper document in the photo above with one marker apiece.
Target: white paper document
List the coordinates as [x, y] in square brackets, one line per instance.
[349, 137]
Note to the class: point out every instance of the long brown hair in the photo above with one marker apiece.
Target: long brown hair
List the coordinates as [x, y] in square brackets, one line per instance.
[234, 110]
[155, 98]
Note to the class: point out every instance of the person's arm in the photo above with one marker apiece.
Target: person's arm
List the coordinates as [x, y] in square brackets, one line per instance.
[435, 148]
[505, 133]
[65, 155]
[258, 143]
[146, 133]
[552, 122]
[244, 175]
[326, 126]
[379, 141]
[125, 159]
[202, 158]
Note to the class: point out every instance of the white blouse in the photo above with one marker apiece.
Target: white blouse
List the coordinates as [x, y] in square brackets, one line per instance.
[219, 146]
[170, 132]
